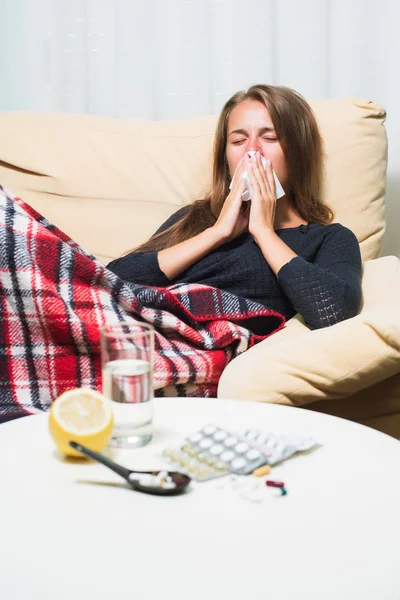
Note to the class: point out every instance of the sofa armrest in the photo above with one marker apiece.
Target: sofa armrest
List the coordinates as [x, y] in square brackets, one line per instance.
[297, 366]
[381, 283]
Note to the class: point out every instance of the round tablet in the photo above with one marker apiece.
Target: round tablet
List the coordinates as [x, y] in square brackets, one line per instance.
[204, 470]
[262, 439]
[279, 448]
[241, 447]
[220, 435]
[230, 441]
[206, 443]
[209, 430]
[253, 454]
[227, 455]
[238, 463]
[216, 449]
[196, 437]
[220, 466]
[182, 460]
[270, 443]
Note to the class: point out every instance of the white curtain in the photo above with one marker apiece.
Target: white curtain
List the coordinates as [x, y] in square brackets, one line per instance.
[178, 58]
[173, 59]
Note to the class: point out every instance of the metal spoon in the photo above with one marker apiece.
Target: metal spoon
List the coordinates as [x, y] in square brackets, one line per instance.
[161, 483]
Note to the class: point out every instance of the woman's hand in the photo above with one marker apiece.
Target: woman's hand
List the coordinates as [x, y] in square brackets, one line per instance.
[262, 216]
[263, 202]
[232, 221]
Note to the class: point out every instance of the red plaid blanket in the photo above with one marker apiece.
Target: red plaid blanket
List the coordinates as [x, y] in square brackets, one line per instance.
[54, 297]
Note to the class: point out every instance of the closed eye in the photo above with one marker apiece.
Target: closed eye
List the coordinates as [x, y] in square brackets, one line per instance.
[238, 142]
[270, 139]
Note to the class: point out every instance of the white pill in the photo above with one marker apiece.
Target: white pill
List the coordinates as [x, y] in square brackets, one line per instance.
[241, 447]
[270, 443]
[279, 449]
[230, 441]
[216, 449]
[238, 463]
[149, 481]
[221, 466]
[220, 435]
[227, 455]
[262, 439]
[209, 430]
[196, 437]
[251, 434]
[206, 443]
[169, 485]
[253, 454]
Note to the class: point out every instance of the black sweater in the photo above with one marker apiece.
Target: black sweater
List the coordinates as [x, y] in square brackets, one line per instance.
[322, 283]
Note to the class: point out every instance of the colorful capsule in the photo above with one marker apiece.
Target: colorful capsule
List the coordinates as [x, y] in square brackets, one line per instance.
[275, 484]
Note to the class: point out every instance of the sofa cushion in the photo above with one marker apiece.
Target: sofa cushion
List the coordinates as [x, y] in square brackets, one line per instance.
[326, 364]
[296, 366]
[110, 183]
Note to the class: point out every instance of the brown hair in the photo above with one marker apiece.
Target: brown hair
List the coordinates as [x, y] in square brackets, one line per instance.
[301, 143]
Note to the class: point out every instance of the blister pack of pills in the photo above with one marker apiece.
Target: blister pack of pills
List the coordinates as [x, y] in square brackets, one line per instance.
[276, 447]
[214, 451]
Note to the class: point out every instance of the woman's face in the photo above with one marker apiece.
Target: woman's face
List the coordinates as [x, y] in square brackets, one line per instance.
[250, 128]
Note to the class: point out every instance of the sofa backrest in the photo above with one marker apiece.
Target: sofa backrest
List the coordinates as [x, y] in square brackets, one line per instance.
[110, 183]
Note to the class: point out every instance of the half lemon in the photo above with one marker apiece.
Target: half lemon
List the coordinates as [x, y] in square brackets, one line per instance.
[84, 416]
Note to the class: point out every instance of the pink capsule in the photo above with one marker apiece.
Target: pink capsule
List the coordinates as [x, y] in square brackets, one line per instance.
[276, 484]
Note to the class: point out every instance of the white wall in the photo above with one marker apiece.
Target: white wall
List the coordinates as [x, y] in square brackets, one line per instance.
[166, 59]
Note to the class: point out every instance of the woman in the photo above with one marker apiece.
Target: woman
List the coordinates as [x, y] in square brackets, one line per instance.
[286, 253]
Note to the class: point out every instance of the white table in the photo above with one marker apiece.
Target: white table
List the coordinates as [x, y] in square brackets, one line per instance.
[336, 535]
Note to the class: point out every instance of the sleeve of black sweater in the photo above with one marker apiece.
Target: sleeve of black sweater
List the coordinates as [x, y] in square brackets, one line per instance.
[143, 267]
[329, 289]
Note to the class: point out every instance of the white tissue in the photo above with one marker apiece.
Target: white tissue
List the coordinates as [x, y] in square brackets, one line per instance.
[248, 192]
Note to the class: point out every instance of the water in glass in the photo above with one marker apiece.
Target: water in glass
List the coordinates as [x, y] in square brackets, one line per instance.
[128, 384]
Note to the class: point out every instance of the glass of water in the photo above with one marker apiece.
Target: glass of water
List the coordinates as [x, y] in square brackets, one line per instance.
[127, 350]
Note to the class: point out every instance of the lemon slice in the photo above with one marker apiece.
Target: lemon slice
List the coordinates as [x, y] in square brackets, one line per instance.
[82, 415]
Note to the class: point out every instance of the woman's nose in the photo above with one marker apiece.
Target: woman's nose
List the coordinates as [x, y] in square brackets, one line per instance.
[253, 145]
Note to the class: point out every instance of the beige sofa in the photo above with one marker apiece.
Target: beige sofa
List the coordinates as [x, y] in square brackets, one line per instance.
[110, 183]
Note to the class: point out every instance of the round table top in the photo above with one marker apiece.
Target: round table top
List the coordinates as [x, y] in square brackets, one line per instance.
[73, 529]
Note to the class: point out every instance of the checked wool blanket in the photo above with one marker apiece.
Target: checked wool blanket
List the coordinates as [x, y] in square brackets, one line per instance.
[54, 297]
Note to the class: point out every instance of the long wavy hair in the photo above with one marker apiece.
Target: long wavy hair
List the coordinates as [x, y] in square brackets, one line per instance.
[301, 142]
